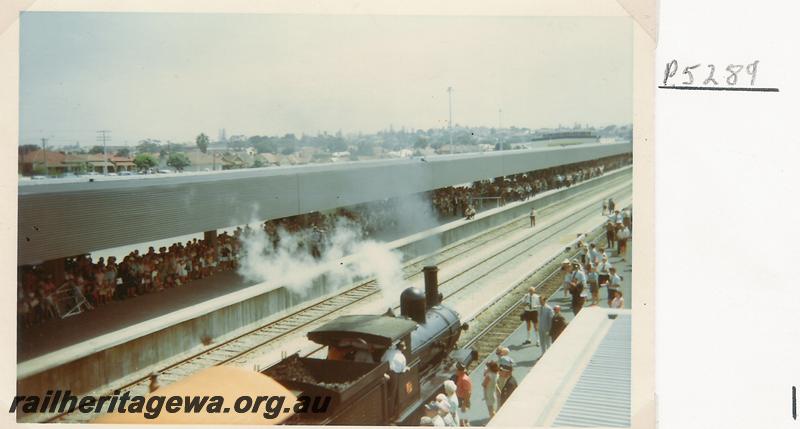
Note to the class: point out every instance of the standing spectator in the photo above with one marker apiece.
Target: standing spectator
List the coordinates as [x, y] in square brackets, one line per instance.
[463, 387]
[545, 323]
[432, 413]
[444, 413]
[611, 204]
[583, 251]
[618, 301]
[611, 233]
[450, 394]
[489, 385]
[533, 217]
[605, 208]
[506, 382]
[566, 267]
[593, 280]
[576, 284]
[558, 324]
[614, 284]
[531, 314]
[622, 239]
[594, 255]
[604, 271]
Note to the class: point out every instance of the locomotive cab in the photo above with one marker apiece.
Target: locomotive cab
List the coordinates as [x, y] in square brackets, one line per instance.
[364, 389]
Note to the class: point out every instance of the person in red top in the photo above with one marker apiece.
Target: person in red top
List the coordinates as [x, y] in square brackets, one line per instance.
[463, 387]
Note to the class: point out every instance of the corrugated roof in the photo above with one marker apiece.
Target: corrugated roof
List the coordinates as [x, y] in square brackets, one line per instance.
[602, 396]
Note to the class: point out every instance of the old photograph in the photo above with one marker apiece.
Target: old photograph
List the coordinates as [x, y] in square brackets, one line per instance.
[328, 219]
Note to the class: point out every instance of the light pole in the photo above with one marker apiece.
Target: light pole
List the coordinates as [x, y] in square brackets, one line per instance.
[450, 122]
[500, 118]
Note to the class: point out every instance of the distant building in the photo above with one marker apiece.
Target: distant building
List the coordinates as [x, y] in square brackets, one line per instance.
[59, 163]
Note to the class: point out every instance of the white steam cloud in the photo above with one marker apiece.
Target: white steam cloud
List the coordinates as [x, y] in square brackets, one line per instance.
[344, 258]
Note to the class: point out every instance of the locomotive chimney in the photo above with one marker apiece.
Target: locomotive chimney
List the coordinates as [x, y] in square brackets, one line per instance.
[432, 296]
[412, 305]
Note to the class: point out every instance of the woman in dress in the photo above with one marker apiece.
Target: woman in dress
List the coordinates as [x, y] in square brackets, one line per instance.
[489, 385]
[593, 280]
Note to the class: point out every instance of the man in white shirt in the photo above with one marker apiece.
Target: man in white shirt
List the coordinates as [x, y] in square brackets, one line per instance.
[531, 314]
[397, 360]
[604, 270]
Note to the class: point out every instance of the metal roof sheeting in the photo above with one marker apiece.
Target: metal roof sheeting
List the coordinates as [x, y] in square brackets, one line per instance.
[65, 219]
[602, 396]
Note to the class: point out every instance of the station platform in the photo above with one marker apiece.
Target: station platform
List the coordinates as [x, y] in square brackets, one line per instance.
[526, 357]
[120, 321]
[115, 316]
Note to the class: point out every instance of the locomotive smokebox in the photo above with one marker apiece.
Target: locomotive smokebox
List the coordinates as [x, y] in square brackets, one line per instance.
[432, 296]
[412, 305]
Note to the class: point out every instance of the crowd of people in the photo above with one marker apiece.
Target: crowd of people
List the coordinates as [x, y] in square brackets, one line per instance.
[583, 279]
[456, 200]
[89, 283]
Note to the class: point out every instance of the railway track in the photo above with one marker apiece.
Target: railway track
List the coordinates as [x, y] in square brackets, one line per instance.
[508, 256]
[237, 350]
[504, 316]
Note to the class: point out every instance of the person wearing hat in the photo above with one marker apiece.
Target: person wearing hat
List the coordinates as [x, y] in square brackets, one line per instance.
[531, 314]
[566, 267]
[449, 396]
[545, 322]
[506, 383]
[603, 271]
[559, 323]
[444, 412]
[432, 412]
[575, 282]
[463, 387]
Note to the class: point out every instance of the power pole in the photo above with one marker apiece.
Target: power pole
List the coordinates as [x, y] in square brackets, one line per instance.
[450, 122]
[44, 153]
[104, 136]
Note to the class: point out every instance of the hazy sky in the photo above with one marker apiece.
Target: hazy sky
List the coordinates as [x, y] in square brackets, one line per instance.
[172, 76]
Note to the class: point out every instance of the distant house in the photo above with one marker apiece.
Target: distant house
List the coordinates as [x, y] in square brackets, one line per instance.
[233, 162]
[59, 163]
[41, 162]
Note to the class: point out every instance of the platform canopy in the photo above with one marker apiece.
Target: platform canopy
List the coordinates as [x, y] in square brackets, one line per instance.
[63, 219]
[380, 330]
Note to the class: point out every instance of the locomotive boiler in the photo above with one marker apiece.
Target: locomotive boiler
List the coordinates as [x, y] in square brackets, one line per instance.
[361, 387]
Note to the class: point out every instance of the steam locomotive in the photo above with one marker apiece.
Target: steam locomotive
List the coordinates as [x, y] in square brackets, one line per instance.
[364, 391]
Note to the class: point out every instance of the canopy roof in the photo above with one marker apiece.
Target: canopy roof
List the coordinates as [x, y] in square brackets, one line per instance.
[374, 329]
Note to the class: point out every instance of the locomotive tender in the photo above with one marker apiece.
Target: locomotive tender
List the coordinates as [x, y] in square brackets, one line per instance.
[365, 391]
